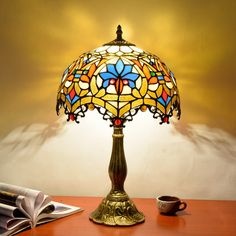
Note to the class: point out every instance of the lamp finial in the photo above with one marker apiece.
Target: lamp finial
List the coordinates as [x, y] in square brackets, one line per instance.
[119, 33]
[119, 40]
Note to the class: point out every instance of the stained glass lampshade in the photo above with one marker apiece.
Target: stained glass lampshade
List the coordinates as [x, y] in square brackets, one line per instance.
[118, 79]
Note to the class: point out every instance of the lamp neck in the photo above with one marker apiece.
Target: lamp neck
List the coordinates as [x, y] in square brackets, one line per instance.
[117, 166]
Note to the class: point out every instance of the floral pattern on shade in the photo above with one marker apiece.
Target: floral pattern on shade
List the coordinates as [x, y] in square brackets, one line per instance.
[120, 75]
[118, 81]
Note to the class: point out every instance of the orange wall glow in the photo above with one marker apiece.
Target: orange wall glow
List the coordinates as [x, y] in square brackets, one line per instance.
[40, 38]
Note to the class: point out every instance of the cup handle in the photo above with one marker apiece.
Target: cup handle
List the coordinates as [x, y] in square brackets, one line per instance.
[182, 206]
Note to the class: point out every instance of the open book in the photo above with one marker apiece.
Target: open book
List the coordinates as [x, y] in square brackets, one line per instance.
[22, 208]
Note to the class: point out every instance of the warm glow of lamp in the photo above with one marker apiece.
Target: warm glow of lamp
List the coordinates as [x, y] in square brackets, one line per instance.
[118, 79]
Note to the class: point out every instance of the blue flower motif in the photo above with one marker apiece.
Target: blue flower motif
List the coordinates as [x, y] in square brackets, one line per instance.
[120, 72]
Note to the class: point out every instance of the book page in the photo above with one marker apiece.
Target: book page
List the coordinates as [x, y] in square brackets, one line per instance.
[9, 223]
[10, 211]
[61, 210]
[14, 226]
[35, 199]
[22, 207]
[15, 200]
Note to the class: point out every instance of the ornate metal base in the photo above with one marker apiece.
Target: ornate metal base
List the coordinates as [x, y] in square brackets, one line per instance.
[117, 209]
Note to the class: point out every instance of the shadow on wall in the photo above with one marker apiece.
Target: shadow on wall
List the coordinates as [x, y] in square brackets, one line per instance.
[43, 155]
[216, 139]
[30, 137]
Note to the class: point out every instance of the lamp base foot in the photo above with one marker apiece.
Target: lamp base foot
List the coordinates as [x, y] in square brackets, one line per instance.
[117, 209]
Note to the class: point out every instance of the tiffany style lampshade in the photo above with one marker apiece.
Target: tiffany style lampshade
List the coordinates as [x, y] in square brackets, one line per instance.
[118, 79]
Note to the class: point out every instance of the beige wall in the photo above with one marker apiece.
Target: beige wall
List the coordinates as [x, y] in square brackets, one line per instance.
[71, 159]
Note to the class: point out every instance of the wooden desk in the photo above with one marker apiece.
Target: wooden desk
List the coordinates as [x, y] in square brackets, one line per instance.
[201, 218]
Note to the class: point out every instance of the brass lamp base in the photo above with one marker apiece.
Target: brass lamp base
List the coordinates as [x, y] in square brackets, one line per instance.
[117, 209]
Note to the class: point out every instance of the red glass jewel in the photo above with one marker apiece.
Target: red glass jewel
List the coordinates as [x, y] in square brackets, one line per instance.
[72, 117]
[117, 122]
[166, 119]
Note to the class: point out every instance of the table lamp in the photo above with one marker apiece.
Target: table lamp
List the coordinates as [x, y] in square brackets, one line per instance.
[118, 79]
